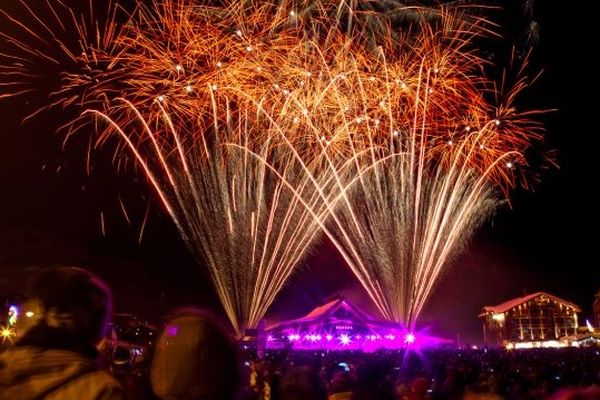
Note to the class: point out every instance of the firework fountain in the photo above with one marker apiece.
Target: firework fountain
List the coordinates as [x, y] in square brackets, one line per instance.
[431, 157]
[260, 126]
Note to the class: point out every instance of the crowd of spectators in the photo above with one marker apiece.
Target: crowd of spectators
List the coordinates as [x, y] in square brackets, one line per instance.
[431, 374]
[65, 351]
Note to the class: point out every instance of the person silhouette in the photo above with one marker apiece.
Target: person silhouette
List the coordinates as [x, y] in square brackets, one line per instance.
[194, 358]
[63, 319]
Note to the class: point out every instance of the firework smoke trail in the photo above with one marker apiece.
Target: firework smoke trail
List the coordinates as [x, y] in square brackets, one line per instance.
[262, 122]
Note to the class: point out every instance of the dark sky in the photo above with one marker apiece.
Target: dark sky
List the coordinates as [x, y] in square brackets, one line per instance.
[50, 208]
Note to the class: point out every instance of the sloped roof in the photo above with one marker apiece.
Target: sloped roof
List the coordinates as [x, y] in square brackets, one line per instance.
[322, 310]
[507, 305]
[326, 310]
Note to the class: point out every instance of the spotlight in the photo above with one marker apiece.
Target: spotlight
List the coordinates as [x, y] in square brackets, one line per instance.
[409, 338]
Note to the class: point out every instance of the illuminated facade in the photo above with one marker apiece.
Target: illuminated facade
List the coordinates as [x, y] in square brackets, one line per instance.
[535, 320]
[340, 325]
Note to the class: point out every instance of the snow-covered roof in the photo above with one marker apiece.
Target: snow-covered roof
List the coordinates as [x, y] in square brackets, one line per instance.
[326, 310]
[507, 305]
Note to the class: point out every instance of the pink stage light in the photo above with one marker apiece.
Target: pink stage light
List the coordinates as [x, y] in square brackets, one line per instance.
[345, 339]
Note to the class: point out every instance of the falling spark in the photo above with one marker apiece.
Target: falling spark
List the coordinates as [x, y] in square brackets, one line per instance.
[144, 221]
[102, 226]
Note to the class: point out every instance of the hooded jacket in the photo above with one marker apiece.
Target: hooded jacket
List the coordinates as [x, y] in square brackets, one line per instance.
[33, 373]
[194, 359]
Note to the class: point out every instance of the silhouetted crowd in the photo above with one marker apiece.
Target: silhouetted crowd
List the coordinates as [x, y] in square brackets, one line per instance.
[433, 374]
[63, 352]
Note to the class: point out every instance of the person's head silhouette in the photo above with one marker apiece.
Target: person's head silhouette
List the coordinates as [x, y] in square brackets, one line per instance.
[194, 359]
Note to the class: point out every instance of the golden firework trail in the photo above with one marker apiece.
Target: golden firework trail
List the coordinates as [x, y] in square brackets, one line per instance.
[261, 125]
[248, 227]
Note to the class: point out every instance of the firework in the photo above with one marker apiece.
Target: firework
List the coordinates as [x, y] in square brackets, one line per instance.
[59, 56]
[419, 154]
[231, 205]
[260, 125]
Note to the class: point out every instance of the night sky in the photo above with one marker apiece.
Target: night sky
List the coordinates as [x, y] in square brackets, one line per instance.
[50, 208]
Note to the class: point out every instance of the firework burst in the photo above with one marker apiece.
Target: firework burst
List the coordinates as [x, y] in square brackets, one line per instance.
[260, 125]
[419, 153]
[60, 56]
